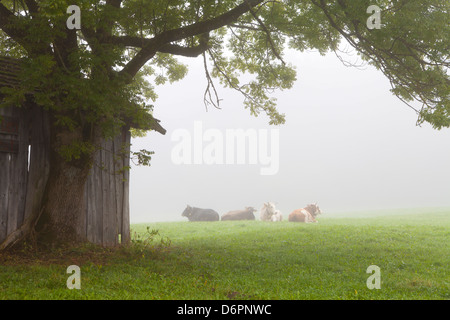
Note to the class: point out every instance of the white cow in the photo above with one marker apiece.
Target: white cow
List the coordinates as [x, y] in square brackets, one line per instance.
[267, 211]
[277, 216]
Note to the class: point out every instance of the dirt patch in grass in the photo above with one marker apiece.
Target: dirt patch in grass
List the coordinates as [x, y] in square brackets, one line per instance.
[61, 256]
[149, 244]
[78, 255]
[235, 295]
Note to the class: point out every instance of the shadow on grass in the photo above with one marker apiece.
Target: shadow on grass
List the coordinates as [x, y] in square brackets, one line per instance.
[149, 244]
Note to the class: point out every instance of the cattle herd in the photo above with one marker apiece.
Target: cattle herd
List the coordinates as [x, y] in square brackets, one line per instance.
[267, 213]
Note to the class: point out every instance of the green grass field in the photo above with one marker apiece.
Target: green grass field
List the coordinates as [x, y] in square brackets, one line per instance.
[251, 260]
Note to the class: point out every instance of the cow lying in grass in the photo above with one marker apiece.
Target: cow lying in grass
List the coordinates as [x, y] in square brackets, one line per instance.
[277, 216]
[307, 214]
[267, 211]
[246, 214]
[198, 214]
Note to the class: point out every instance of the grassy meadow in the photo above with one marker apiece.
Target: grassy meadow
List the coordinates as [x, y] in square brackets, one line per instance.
[251, 260]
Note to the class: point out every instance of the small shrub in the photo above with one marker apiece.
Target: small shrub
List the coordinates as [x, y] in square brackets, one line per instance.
[151, 242]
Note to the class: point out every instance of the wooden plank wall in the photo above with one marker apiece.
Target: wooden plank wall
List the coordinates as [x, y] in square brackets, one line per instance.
[13, 176]
[106, 220]
[107, 214]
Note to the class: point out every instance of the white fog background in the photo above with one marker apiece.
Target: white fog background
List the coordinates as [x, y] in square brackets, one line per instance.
[348, 144]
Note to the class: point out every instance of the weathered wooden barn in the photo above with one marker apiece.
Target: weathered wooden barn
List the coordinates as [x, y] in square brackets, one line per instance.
[24, 168]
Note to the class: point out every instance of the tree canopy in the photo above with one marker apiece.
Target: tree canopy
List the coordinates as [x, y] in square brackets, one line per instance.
[104, 75]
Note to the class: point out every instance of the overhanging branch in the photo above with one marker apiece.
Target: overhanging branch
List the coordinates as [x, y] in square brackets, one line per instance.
[154, 44]
[269, 37]
[7, 22]
[33, 7]
[184, 51]
[130, 41]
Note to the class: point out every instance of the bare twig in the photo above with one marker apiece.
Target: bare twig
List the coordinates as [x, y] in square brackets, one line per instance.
[207, 97]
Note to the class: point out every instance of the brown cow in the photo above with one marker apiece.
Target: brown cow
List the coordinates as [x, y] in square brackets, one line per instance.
[246, 214]
[307, 214]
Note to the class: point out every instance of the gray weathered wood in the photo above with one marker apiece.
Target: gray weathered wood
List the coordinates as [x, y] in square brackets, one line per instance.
[19, 167]
[109, 206]
[125, 235]
[91, 208]
[4, 186]
[22, 184]
[13, 187]
[4, 193]
[39, 166]
[118, 182]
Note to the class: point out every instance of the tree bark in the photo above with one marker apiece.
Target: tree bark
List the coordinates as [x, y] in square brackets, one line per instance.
[63, 206]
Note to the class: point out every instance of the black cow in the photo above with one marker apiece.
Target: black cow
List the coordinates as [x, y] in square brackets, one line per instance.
[198, 214]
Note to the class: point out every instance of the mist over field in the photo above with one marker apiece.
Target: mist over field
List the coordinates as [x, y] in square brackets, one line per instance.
[348, 144]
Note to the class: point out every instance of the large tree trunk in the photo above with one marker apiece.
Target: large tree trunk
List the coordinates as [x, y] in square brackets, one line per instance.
[63, 208]
[63, 205]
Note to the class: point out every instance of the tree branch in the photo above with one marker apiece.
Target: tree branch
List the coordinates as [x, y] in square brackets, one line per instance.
[207, 97]
[130, 41]
[7, 23]
[401, 74]
[33, 7]
[269, 37]
[114, 3]
[106, 23]
[184, 51]
[154, 45]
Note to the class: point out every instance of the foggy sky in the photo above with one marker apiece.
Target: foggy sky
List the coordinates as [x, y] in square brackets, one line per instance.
[348, 144]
